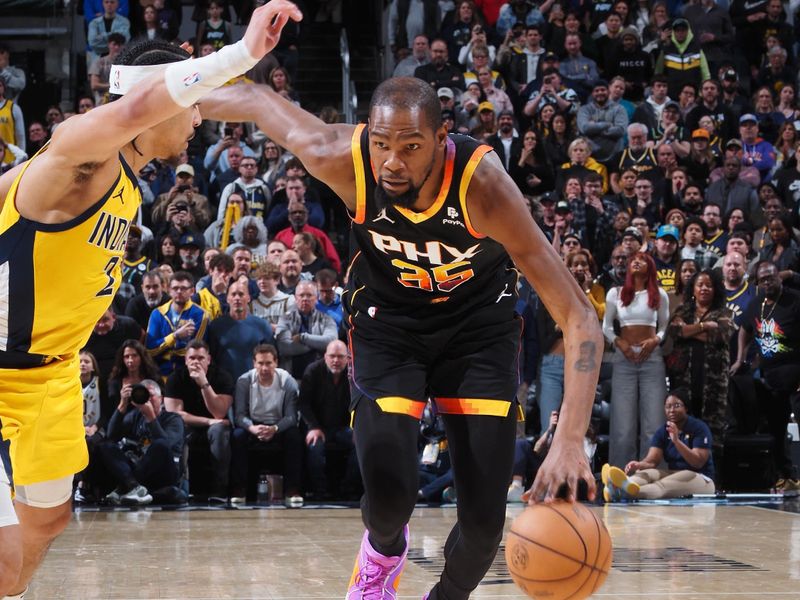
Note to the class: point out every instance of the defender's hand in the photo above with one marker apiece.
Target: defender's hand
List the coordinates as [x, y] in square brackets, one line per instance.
[266, 24]
[565, 465]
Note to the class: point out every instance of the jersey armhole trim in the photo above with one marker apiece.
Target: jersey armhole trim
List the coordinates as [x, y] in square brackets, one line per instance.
[466, 177]
[361, 182]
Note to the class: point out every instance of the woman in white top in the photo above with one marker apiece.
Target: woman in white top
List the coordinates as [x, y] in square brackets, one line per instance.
[638, 384]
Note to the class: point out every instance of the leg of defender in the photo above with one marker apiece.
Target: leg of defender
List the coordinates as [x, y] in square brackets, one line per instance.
[10, 542]
[44, 510]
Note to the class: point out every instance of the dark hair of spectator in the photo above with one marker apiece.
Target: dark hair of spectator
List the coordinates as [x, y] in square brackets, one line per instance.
[681, 394]
[265, 349]
[719, 299]
[678, 281]
[182, 276]
[149, 52]
[222, 261]
[726, 219]
[786, 220]
[628, 290]
[695, 221]
[295, 163]
[117, 38]
[570, 258]
[409, 93]
[326, 276]
[198, 345]
[147, 368]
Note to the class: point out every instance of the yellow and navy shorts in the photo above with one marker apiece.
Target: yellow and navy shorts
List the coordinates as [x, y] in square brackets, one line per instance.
[41, 422]
[471, 368]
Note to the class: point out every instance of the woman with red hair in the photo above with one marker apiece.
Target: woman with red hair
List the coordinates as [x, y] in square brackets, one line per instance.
[638, 384]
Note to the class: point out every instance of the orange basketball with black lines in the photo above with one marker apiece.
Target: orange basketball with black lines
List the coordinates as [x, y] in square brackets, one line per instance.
[558, 551]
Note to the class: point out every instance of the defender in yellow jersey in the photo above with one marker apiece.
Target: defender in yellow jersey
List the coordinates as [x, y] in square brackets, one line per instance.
[64, 221]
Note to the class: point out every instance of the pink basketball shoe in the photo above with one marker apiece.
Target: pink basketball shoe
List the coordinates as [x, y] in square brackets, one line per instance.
[375, 576]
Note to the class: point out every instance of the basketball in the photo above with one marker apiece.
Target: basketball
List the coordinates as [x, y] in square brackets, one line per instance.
[558, 551]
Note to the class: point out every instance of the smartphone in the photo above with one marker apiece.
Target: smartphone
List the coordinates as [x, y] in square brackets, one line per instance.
[228, 132]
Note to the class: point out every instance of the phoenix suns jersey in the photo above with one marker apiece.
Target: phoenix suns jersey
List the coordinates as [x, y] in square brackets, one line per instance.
[420, 269]
[57, 280]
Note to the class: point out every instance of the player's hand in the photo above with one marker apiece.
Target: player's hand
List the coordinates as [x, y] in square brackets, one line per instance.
[266, 24]
[564, 466]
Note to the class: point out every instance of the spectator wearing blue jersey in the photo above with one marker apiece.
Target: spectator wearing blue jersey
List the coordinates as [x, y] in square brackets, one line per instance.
[684, 443]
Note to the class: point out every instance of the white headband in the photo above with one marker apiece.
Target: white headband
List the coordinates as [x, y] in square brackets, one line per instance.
[123, 78]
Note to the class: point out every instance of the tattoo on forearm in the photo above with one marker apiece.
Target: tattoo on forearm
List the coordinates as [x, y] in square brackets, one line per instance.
[586, 359]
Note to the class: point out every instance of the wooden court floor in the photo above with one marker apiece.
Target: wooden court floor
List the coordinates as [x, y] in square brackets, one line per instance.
[702, 551]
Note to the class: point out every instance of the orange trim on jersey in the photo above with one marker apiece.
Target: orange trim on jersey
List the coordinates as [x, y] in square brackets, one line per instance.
[472, 406]
[466, 177]
[419, 217]
[361, 182]
[401, 406]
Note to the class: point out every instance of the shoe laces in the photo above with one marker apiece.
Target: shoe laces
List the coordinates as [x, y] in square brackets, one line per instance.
[370, 581]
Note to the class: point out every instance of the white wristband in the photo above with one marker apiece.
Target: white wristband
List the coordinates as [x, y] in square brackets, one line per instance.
[189, 80]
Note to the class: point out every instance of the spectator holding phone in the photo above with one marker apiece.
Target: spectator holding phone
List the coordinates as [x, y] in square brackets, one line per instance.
[185, 187]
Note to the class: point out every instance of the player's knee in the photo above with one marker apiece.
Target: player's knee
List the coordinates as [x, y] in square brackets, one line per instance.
[45, 508]
[10, 558]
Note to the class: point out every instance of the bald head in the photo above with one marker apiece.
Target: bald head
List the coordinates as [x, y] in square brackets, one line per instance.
[336, 356]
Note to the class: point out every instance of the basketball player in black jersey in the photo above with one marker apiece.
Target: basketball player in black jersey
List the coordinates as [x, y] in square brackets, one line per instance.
[64, 219]
[430, 310]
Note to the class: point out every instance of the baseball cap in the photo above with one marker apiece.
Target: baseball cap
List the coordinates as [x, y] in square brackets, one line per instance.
[730, 75]
[680, 22]
[734, 142]
[700, 134]
[668, 231]
[672, 104]
[191, 239]
[632, 232]
[445, 92]
[550, 56]
[485, 105]
[562, 206]
[748, 118]
[631, 31]
[187, 169]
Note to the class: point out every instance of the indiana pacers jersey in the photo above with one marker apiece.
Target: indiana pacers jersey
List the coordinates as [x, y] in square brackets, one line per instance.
[57, 280]
[420, 269]
[7, 130]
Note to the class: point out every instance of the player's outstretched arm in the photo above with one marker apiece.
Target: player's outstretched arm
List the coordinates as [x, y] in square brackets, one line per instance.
[497, 209]
[98, 135]
[324, 149]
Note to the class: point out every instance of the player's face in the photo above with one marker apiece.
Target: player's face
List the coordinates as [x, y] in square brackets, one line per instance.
[403, 149]
[171, 137]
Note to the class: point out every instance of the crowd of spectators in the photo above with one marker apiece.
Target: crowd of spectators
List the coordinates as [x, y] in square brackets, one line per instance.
[655, 142]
